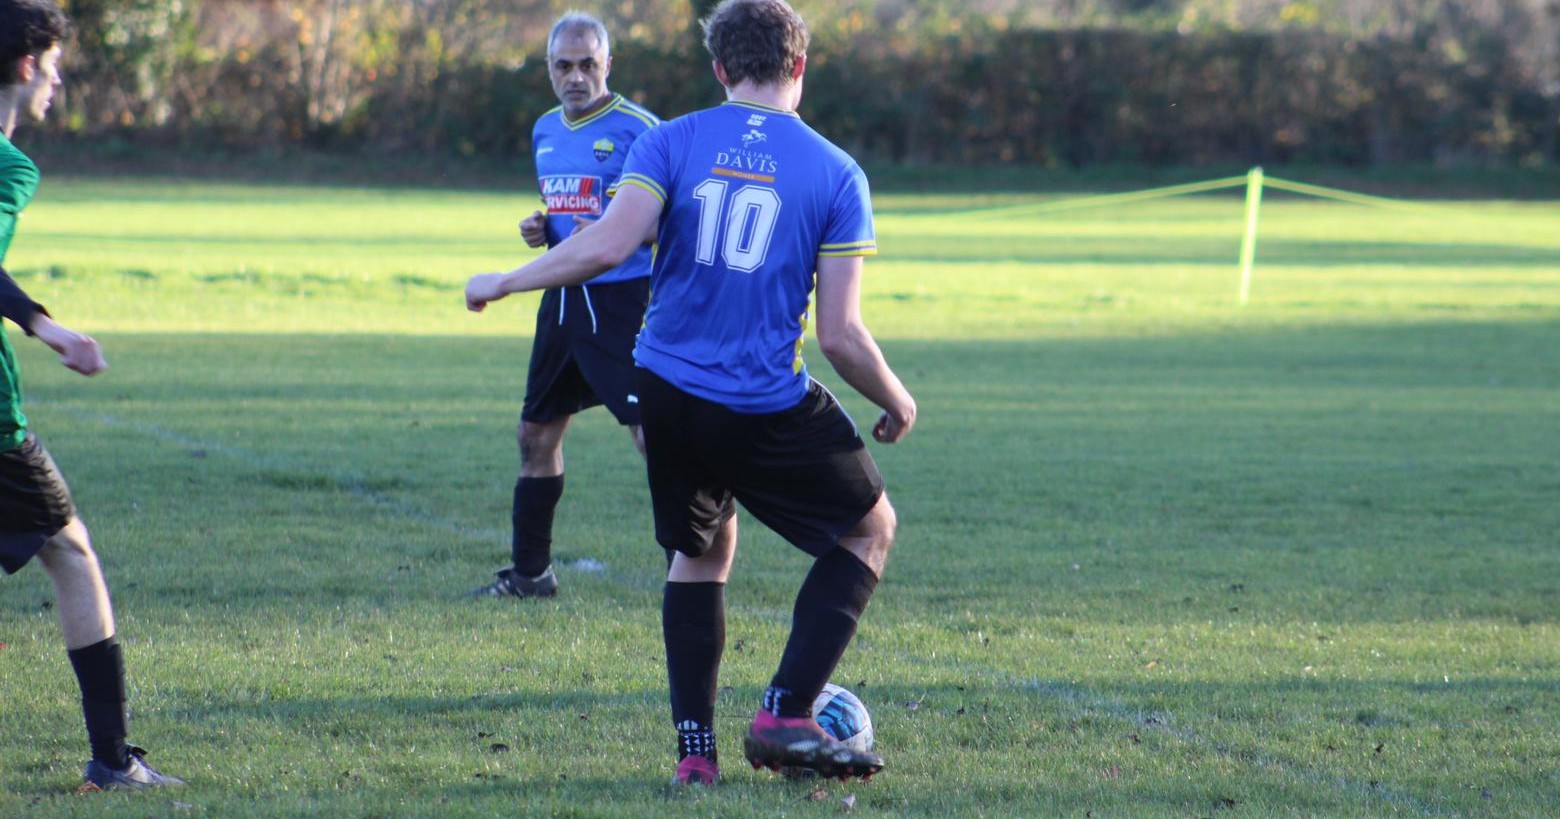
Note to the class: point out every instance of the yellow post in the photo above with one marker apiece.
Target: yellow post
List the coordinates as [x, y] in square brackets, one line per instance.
[1248, 245]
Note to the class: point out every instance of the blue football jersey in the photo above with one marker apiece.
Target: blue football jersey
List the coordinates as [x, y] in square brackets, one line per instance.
[751, 198]
[578, 163]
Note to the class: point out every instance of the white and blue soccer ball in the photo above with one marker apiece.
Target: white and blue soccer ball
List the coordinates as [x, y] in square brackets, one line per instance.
[842, 715]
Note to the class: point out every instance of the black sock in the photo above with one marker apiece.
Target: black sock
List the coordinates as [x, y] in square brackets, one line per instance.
[693, 624]
[832, 598]
[532, 515]
[695, 740]
[100, 671]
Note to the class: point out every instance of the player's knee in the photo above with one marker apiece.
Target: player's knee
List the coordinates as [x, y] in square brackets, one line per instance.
[69, 551]
[539, 443]
[875, 533]
[887, 525]
[532, 445]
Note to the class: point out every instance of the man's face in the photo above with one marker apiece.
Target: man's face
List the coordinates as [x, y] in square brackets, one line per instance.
[579, 66]
[38, 93]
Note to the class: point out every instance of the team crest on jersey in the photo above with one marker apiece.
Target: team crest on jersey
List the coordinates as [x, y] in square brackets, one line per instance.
[604, 149]
[572, 195]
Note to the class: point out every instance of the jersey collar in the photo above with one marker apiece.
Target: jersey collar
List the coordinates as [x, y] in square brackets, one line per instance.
[757, 106]
[575, 125]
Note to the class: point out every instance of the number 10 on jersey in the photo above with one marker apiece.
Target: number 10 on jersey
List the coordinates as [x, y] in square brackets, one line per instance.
[750, 223]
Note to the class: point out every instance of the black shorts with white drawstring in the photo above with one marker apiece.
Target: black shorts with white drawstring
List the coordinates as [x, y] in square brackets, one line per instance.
[583, 355]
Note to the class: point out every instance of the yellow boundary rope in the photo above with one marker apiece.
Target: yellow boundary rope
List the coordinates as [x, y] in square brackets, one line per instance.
[1077, 203]
[1254, 182]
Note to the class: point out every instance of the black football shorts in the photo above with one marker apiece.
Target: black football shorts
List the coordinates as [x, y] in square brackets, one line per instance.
[35, 503]
[803, 472]
[583, 355]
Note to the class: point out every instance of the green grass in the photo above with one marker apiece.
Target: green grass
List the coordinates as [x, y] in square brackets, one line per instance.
[1161, 555]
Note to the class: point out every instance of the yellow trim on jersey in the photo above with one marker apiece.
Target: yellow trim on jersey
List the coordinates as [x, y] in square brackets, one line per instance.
[758, 106]
[575, 125]
[848, 245]
[623, 104]
[860, 251]
[642, 181]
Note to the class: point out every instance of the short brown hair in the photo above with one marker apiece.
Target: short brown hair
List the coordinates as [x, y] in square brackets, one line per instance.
[758, 40]
[28, 27]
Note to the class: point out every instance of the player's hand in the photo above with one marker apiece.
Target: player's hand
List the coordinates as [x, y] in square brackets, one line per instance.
[533, 229]
[580, 223]
[483, 288]
[83, 355]
[78, 352]
[892, 427]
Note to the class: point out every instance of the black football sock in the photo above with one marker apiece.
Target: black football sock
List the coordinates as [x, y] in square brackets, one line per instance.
[536, 499]
[831, 600]
[693, 624]
[100, 671]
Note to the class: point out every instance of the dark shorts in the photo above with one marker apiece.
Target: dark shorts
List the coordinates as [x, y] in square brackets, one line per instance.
[586, 357]
[35, 503]
[803, 472]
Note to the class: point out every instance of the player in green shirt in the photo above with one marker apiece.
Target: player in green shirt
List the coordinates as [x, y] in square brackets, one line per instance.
[37, 516]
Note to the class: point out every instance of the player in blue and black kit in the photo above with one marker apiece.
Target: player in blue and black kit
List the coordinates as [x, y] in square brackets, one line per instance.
[751, 208]
[582, 354]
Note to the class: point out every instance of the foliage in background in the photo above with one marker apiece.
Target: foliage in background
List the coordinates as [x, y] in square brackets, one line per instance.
[1050, 82]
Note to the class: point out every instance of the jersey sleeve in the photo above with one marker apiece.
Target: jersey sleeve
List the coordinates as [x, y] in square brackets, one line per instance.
[15, 304]
[649, 164]
[644, 122]
[18, 182]
[849, 231]
[536, 137]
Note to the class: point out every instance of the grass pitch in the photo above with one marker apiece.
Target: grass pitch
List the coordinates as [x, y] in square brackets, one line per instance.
[1161, 555]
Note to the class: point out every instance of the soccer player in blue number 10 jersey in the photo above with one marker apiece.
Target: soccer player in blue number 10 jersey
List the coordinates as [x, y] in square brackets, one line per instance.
[750, 207]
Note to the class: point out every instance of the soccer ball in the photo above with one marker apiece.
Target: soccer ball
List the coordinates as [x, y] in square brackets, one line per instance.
[842, 716]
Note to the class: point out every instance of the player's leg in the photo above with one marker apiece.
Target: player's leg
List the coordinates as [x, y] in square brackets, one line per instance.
[555, 391]
[693, 626]
[81, 595]
[87, 620]
[828, 607]
[820, 489]
[537, 492]
[823, 623]
[695, 521]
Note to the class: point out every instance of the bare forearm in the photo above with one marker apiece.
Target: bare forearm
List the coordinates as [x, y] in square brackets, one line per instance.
[592, 250]
[857, 358]
[78, 351]
[51, 332]
[571, 262]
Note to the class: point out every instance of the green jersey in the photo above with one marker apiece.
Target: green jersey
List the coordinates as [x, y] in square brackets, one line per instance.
[18, 183]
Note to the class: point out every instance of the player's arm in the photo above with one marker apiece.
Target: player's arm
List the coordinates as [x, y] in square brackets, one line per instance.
[15, 303]
[651, 236]
[848, 344]
[621, 230]
[77, 351]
